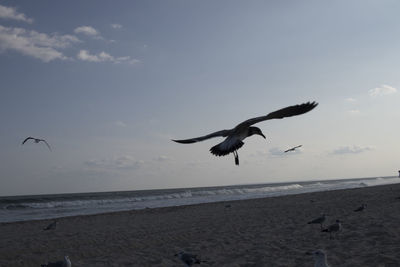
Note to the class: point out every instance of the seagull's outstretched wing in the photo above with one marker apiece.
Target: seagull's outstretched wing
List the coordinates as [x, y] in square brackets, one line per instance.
[47, 144]
[222, 133]
[281, 113]
[27, 139]
[293, 148]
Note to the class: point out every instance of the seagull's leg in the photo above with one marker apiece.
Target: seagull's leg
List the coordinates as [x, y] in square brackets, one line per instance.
[236, 157]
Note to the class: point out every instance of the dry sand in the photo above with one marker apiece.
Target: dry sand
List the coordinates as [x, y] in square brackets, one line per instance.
[259, 232]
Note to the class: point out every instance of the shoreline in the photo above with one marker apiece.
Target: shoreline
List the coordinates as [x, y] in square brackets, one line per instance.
[270, 231]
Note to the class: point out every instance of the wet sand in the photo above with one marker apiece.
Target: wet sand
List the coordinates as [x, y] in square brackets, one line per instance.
[258, 232]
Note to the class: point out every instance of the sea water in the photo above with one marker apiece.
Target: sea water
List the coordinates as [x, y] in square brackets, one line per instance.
[19, 208]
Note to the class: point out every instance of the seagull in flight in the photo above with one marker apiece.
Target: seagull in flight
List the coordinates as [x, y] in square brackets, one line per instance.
[37, 140]
[293, 148]
[234, 137]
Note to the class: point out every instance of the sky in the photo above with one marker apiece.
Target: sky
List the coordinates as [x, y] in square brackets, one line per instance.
[108, 84]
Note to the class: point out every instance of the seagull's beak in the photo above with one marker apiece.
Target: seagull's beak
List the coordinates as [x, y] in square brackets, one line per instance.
[263, 136]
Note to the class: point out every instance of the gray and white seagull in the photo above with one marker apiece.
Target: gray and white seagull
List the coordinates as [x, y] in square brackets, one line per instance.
[37, 140]
[234, 137]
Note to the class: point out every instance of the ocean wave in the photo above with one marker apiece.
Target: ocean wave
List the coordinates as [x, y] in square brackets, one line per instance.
[178, 195]
[51, 206]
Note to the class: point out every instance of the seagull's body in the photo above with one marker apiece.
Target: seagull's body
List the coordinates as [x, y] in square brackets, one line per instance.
[37, 140]
[51, 226]
[234, 137]
[361, 208]
[319, 220]
[333, 228]
[293, 148]
[64, 263]
[320, 258]
[188, 259]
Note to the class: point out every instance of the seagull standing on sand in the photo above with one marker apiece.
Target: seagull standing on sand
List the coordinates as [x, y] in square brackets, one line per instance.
[234, 137]
[37, 140]
[319, 220]
[319, 258]
[64, 263]
[361, 208]
[51, 226]
[293, 148]
[333, 228]
[188, 259]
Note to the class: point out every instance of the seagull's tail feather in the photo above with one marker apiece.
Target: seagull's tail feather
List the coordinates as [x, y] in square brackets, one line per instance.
[224, 148]
[325, 230]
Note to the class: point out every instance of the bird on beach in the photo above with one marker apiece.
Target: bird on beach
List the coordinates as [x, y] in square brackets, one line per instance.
[361, 208]
[51, 226]
[37, 140]
[319, 220]
[188, 259]
[64, 263]
[320, 259]
[235, 136]
[333, 228]
[292, 149]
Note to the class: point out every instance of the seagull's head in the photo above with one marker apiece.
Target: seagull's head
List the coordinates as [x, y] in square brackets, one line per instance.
[256, 130]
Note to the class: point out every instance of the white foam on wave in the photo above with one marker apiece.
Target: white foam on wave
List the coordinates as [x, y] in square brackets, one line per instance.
[57, 207]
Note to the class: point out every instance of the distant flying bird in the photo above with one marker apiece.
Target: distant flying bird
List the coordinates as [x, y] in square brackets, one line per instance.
[51, 226]
[293, 148]
[361, 208]
[234, 137]
[333, 228]
[188, 259]
[319, 220]
[37, 140]
[64, 263]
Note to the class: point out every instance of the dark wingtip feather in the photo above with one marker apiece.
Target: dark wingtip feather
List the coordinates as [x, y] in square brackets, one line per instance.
[184, 141]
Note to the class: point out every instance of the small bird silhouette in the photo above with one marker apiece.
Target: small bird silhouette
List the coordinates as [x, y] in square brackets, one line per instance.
[361, 208]
[64, 263]
[51, 226]
[37, 140]
[234, 137]
[333, 228]
[293, 148]
[319, 220]
[188, 259]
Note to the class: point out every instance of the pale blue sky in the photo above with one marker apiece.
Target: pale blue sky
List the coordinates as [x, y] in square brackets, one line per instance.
[109, 83]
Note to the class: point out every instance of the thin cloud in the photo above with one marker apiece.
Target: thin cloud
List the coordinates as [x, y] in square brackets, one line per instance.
[85, 55]
[120, 124]
[383, 90]
[350, 100]
[31, 43]
[116, 26]
[351, 150]
[119, 162]
[88, 30]
[354, 111]
[162, 158]
[11, 13]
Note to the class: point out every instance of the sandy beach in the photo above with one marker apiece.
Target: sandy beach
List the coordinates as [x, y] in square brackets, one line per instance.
[257, 232]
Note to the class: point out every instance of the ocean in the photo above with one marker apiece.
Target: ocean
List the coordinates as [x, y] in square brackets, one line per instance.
[34, 207]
